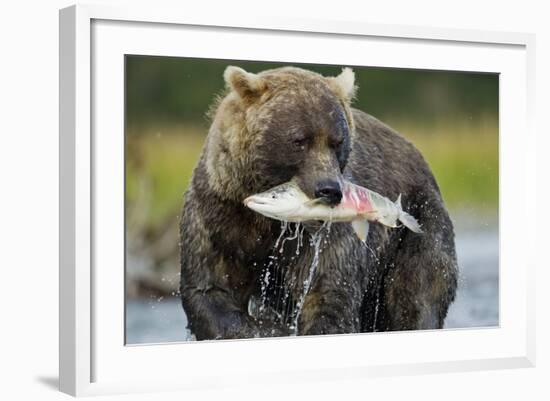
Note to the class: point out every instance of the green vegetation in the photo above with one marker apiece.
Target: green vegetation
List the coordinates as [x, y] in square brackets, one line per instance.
[464, 160]
[167, 90]
[159, 166]
[463, 157]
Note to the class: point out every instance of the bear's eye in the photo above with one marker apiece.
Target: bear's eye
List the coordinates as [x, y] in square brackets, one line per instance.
[300, 143]
[336, 143]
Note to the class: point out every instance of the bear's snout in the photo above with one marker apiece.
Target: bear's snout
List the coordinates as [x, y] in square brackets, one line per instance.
[329, 191]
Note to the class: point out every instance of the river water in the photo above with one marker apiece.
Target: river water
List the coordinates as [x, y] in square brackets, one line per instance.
[160, 320]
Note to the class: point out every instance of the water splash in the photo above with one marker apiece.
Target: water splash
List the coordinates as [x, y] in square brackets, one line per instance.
[280, 270]
[278, 279]
[376, 309]
[284, 225]
[371, 251]
[264, 283]
[291, 238]
[315, 241]
[275, 265]
[300, 240]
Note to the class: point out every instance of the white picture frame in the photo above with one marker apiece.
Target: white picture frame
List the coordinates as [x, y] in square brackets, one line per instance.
[93, 357]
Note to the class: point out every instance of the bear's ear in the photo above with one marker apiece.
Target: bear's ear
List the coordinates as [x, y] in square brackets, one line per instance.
[344, 84]
[247, 85]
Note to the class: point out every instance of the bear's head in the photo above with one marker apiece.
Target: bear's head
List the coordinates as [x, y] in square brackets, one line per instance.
[281, 124]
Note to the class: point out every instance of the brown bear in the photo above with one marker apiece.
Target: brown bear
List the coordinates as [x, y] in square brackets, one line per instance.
[290, 123]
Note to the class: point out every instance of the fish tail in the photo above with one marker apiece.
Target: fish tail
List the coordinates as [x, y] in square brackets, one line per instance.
[407, 220]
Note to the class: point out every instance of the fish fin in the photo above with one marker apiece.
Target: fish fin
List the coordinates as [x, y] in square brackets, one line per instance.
[398, 202]
[409, 222]
[361, 228]
[405, 218]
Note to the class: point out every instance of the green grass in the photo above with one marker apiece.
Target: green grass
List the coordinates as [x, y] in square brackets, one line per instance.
[163, 162]
[463, 155]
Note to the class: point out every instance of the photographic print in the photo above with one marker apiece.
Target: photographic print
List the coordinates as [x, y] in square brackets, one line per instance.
[269, 199]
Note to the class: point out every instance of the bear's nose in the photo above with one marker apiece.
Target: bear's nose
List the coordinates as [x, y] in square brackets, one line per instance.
[329, 191]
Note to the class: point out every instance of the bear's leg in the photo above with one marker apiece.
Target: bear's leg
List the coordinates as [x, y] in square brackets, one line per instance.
[419, 285]
[213, 314]
[214, 288]
[329, 312]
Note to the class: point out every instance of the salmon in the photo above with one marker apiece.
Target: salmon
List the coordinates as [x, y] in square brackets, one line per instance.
[359, 205]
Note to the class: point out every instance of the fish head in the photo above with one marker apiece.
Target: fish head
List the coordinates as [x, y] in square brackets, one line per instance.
[282, 202]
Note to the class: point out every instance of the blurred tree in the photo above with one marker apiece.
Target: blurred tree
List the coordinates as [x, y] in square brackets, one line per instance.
[164, 90]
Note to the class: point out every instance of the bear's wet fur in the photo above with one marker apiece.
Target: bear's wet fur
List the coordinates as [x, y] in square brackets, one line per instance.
[290, 123]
